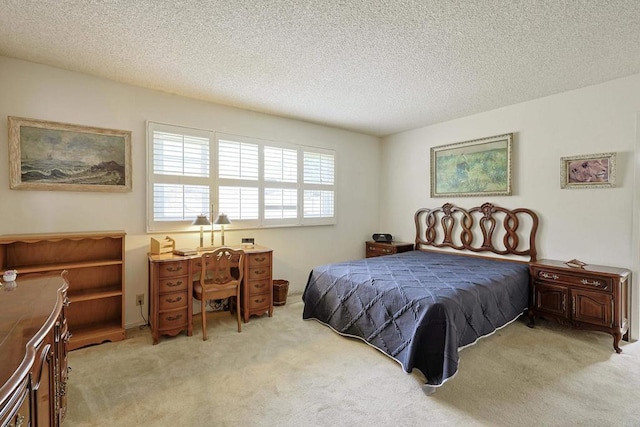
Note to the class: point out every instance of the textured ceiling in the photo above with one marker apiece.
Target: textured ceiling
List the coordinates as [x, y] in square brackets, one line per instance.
[377, 67]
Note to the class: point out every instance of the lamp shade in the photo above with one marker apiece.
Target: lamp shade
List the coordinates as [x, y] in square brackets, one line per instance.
[222, 219]
[201, 220]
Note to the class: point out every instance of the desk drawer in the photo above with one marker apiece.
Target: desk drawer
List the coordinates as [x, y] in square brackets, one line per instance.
[259, 260]
[172, 301]
[257, 287]
[259, 273]
[173, 319]
[173, 284]
[173, 268]
[259, 301]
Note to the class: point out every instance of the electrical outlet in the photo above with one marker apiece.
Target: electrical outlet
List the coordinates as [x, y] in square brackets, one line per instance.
[140, 299]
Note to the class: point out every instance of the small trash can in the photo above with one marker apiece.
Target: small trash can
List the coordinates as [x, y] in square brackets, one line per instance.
[280, 290]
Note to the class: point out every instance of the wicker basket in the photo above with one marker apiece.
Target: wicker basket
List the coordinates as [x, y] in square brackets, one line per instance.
[280, 290]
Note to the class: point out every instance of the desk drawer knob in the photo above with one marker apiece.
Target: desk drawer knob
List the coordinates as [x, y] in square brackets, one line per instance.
[171, 284]
[178, 299]
[178, 268]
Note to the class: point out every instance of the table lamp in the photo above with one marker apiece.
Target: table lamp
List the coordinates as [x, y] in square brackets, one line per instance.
[201, 220]
[222, 220]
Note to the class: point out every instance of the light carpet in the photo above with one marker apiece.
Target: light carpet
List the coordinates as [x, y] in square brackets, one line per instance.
[284, 371]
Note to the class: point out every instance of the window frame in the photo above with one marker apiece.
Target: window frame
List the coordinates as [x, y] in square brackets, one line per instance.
[214, 182]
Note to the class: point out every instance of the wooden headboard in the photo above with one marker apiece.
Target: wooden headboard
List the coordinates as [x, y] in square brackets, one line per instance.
[486, 228]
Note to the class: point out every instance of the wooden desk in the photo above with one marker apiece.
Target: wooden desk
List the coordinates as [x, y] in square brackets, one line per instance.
[171, 289]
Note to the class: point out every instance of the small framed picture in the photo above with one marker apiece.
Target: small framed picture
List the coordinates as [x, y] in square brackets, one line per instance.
[588, 171]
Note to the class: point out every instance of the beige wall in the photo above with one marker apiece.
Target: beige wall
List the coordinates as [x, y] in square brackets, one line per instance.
[597, 226]
[40, 92]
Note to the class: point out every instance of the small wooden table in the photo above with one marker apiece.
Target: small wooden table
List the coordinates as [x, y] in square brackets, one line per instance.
[171, 289]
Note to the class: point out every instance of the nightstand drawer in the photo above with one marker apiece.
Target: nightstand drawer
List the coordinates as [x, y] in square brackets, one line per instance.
[581, 279]
[374, 249]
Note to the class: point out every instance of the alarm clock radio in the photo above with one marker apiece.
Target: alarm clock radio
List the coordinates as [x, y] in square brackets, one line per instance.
[382, 237]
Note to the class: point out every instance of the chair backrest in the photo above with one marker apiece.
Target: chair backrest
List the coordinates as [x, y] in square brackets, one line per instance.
[218, 266]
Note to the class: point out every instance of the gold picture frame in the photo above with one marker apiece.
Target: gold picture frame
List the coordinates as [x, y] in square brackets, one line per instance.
[45, 155]
[480, 167]
[588, 171]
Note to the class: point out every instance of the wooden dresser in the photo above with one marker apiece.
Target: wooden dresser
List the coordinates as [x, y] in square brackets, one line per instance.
[95, 265]
[171, 289]
[374, 249]
[592, 297]
[33, 351]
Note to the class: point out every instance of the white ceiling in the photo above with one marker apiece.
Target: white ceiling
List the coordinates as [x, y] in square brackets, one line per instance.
[377, 67]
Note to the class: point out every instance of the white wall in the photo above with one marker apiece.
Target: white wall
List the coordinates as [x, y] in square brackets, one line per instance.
[45, 93]
[593, 225]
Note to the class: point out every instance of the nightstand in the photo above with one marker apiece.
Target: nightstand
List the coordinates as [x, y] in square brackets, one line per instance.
[373, 249]
[590, 297]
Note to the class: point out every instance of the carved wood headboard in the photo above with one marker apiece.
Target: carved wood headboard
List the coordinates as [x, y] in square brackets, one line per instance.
[486, 228]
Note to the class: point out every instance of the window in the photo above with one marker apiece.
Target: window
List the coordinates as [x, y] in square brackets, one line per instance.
[257, 183]
[318, 184]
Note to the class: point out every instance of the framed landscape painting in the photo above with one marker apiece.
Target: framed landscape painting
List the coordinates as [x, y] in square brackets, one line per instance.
[47, 155]
[481, 167]
[588, 171]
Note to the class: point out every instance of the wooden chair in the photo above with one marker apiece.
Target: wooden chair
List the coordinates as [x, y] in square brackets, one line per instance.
[217, 280]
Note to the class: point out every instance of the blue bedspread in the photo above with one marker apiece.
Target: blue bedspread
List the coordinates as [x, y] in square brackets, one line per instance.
[418, 307]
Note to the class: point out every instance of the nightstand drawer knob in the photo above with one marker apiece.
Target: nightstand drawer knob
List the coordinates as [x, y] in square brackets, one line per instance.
[549, 276]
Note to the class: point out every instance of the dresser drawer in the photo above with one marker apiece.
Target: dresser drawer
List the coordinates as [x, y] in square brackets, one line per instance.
[589, 281]
[257, 287]
[173, 319]
[172, 301]
[174, 268]
[259, 301]
[16, 412]
[173, 284]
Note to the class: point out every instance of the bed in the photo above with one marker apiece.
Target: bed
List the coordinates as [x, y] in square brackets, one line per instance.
[421, 307]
